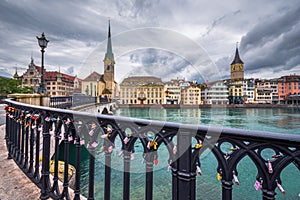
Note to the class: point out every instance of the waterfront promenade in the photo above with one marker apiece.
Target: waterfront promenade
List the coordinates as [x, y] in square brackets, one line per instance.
[14, 184]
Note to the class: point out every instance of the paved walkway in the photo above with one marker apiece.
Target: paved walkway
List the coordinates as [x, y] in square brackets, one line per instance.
[14, 184]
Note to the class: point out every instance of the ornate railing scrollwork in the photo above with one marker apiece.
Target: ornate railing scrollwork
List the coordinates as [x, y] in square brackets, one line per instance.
[30, 130]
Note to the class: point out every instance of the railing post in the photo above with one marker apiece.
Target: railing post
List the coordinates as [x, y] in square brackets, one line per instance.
[45, 159]
[268, 195]
[55, 188]
[65, 192]
[107, 175]
[18, 136]
[174, 184]
[186, 187]
[126, 179]
[21, 157]
[226, 190]
[91, 173]
[27, 126]
[77, 176]
[36, 174]
[31, 143]
[149, 158]
[13, 136]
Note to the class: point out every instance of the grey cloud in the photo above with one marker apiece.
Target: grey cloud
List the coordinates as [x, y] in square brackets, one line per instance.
[70, 71]
[75, 29]
[272, 45]
[137, 8]
[219, 21]
[162, 64]
[271, 28]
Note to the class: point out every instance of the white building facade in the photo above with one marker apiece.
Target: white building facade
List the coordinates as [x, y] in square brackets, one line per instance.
[215, 93]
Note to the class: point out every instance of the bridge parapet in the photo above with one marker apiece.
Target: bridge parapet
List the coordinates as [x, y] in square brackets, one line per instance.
[184, 143]
[104, 108]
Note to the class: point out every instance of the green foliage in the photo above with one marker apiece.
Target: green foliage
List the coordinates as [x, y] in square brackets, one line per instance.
[11, 86]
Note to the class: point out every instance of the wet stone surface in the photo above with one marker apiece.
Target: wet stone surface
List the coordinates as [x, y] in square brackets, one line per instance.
[14, 184]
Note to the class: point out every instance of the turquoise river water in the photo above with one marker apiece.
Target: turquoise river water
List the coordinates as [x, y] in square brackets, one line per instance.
[283, 120]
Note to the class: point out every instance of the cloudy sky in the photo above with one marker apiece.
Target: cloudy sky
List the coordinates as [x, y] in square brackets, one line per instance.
[165, 38]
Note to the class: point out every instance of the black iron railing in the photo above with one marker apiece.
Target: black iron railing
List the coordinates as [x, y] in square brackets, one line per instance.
[185, 144]
[66, 102]
[61, 102]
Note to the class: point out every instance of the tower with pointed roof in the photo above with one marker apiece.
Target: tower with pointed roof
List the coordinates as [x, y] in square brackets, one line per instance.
[237, 67]
[16, 75]
[109, 68]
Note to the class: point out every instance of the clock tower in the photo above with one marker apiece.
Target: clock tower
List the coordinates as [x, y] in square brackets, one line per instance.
[109, 68]
[237, 67]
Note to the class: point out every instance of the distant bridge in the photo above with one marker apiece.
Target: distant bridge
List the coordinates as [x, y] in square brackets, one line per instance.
[106, 108]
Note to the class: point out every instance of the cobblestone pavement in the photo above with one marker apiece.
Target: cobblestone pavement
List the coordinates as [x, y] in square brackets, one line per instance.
[14, 184]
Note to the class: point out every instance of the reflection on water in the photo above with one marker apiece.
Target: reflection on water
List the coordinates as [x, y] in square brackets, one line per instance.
[207, 187]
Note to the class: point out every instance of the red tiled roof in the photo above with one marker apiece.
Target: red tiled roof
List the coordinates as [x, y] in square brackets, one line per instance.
[53, 76]
[39, 69]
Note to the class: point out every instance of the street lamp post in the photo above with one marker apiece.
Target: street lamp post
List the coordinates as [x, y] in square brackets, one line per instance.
[43, 44]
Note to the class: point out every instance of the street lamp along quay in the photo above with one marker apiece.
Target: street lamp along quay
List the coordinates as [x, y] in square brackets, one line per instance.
[43, 44]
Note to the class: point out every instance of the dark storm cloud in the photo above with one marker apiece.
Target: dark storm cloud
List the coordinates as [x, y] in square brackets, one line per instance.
[274, 42]
[69, 25]
[67, 19]
[75, 29]
[272, 45]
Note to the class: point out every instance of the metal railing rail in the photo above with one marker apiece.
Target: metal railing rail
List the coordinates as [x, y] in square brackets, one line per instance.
[185, 144]
[66, 102]
[61, 102]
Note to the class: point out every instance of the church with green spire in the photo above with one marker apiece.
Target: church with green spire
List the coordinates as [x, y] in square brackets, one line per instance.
[109, 68]
[102, 85]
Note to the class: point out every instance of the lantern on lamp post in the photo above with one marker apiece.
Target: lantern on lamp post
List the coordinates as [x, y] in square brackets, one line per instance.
[43, 44]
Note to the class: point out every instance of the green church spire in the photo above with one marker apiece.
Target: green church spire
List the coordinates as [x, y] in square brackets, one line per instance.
[109, 54]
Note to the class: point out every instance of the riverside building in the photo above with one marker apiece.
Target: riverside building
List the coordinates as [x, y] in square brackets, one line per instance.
[57, 83]
[191, 95]
[215, 93]
[172, 88]
[289, 89]
[248, 90]
[96, 84]
[142, 90]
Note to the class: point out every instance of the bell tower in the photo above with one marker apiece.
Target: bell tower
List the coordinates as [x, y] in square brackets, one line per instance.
[237, 66]
[109, 66]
